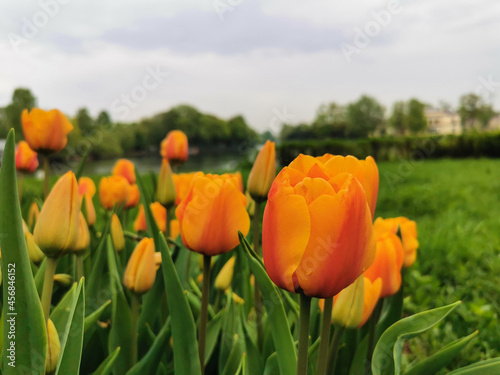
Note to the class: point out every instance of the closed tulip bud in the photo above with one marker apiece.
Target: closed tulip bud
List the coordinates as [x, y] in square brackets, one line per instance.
[125, 168]
[33, 214]
[159, 213]
[113, 190]
[250, 204]
[348, 305]
[26, 158]
[306, 248]
[117, 233]
[157, 260]
[388, 262]
[35, 254]
[263, 172]
[86, 189]
[56, 229]
[212, 214]
[183, 182]
[165, 192]
[372, 295]
[223, 279]
[83, 235]
[64, 279]
[134, 195]
[45, 131]
[53, 348]
[139, 275]
[175, 147]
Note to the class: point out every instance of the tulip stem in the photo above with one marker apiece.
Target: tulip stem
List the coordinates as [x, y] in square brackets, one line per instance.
[46, 172]
[372, 330]
[204, 311]
[48, 284]
[325, 337]
[134, 312]
[305, 312]
[334, 349]
[79, 267]
[257, 295]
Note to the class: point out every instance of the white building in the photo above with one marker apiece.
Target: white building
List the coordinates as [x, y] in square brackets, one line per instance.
[442, 122]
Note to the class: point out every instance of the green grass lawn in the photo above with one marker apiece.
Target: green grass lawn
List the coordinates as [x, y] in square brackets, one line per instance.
[456, 206]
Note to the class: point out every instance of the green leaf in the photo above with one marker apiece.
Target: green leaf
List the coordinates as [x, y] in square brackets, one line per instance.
[60, 313]
[358, 363]
[81, 164]
[278, 323]
[488, 367]
[72, 342]
[213, 332]
[39, 276]
[442, 358]
[391, 313]
[233, 363]
[231, 327]
[92, 319]
[31, 336]
[107, 365]
[149, 363]
[388, 351]
[183, 326]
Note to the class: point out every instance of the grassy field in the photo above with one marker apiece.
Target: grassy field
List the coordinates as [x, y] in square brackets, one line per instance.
[456, 206]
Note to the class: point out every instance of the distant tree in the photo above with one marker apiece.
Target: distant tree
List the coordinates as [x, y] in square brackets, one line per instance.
[469, 109]
[84, 122]
[21, 99]
[364, 117]
[445, 106]
[398, 119]
[486, 113]
[103, 120]
[330, 121]
[267, 135]
[4, 125]
[240, 131]
[417, 122]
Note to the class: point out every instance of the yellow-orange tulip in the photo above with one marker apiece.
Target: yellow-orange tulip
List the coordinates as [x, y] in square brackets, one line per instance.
[263, 172]
[134, 195]
[125, 168]
[175, 147]
[225, 276]
[53, 348]
[317, 232]
[86, 188]
[113, 190]
[35, 254]
[239, 179]
[26, 158]
[388, 262]
[139, 275]
[45, 131]
[117, 233]
[212, 213]
[348, 305]
[33, 214]
[83, 235]
[372, 294]
[183, 183]
[175, 229]
[165, 192]
[159, 213]
[56, 229]
[408, 232]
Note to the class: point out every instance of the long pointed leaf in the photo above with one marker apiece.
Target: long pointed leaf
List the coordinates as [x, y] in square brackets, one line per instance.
[107, 365]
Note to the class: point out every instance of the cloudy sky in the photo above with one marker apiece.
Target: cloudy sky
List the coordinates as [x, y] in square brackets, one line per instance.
[268, 60]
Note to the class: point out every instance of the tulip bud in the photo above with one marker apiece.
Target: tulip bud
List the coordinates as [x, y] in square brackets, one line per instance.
[64, 279]
[250, 204]
[212, 214]
[83, 236]
[33, 214]
[56, 229]
[26, 158]
[117, 233]
[348, 305]
[372, 295]
[175, 147]
[53, 348]
[125, 168]
[86, 189]
[165, 192]
[223, 279]
[113, 190]
[157, 260]
[139, 275]
[134, 195]
[263, 172]
[35, 254]
[159, 213]
[45, 131]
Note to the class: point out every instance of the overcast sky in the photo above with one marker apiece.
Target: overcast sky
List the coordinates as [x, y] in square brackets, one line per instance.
[266, 60]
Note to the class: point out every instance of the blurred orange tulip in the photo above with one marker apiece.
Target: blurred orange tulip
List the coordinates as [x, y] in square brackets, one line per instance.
[140, 273]
[388, 261]
[175, 229]
[183, 183]
[125, 168]
[86, 188]
[56, 229]
[165, 192]
[239, 179]
[212, 213]
[113, 190]
[317, 232]
[134, 195]
[33, 214]
[263, 172]
[159, 213]
[117, 233]
[26, 158]
[45, 131]
[175, 147]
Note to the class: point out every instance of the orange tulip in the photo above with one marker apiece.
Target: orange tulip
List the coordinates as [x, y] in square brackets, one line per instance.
[372, 294]
[139, 275]
[86, 188]
[134, 195]
[33, 214]
[56, 229]
[183, 183]
[113, 190]
[388, 262]
[212, 214]
[408, 232]
[45, 131]
[159, 213]
[263, 172]
[117, 233]
[317, 232]
[165, 192]
[26, 158]
[125, 168]
[175, 147]
[239, 179]
[175, 229]
[83, 235]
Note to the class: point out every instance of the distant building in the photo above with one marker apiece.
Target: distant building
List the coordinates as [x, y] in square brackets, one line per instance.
[494, 123]
[442, 122]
